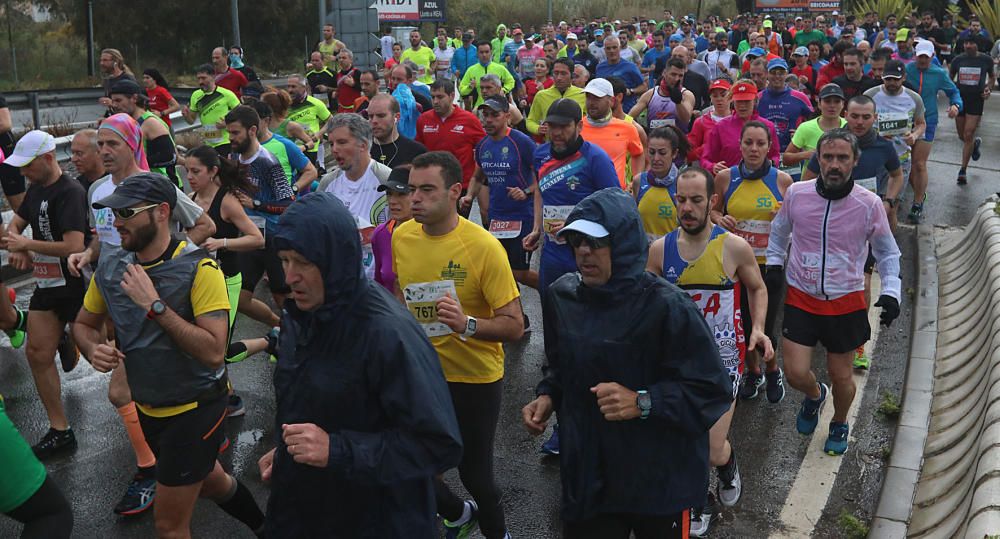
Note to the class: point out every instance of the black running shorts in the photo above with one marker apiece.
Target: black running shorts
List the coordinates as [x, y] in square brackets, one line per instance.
[839, 334]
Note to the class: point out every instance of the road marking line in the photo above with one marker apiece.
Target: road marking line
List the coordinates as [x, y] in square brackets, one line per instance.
[818, 471]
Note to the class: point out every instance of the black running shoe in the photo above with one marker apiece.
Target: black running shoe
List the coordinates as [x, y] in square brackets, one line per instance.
[138, 496]
[69, 356]
[752, 382]
[54, 442]
[976, 154]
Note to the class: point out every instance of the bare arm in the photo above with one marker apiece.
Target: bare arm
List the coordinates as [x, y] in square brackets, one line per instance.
[72, 241]
[794, 155]
[205, 340]
[5, 122]
[233, 212]
[307, 176]
[748, 273]
[654, 262]
[506, 324]
[203, 229]
[641, 104]
[895, 184]
[172, 106]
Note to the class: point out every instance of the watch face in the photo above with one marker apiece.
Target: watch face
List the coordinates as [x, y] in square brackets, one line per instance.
[472, 324]
[159, 307]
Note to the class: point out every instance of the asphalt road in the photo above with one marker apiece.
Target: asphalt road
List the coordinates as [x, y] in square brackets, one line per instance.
[770, 452]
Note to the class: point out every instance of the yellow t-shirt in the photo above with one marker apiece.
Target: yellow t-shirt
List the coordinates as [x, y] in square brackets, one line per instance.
[423, 57]
[208, 294]
[475, 263]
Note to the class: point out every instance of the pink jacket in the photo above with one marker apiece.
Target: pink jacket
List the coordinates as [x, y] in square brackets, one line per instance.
[700, 130]
[829, 242]
[723, 143]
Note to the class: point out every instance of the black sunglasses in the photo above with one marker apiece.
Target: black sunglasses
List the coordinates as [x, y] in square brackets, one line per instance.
[125, 214]
[576, 239]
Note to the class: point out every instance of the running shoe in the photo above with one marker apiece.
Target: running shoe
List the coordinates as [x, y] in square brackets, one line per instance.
[551, 446]
[224, 445]
[730, 486]
[976, 154]
[962, 178]
[701, 518]
[69, 355]
[461, 531]
[861, 359]
[808, 416]
[54, 442]
[917, 211]
[16, 335]
[775, 386]
[752, 382]
[138, 496]
[235, 408]
[836, 442]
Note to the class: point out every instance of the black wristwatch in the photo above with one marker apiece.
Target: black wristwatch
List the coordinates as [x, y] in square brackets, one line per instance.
[256, 204]
[156, 309]
[892, 202]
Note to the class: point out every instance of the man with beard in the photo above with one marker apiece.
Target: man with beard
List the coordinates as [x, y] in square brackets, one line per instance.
[828, 305]
[854, 81]
[120, 147]
[562, 87]
[273, 194]
[668, 103]
[388, 146]
[697, 258]
[172, 336]
[878, 170]
[422, 56]
[356, 180]
[209, 105]
[329, 46]
[569, 168]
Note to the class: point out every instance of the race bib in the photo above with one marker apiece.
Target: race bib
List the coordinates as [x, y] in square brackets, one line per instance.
[212, 135]
[662, 122]
[810, 266]
[503, 230]
[893, 123]
[756, 234]
[552, 215]
[870, 184]
[48, 272]
[421, 300]
[969, 76]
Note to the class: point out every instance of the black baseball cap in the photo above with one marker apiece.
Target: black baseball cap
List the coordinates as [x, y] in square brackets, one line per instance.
[126, 87]
[496, 103]
[894, 69]
[832, 90]
[466, 36]
[564, 111]
[398, 181]
[145, 187]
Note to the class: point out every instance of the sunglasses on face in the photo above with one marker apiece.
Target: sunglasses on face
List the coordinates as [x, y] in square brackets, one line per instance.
[576, 239]
[124, 214]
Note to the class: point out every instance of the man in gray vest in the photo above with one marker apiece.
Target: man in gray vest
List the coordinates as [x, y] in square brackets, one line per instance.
[170, 308]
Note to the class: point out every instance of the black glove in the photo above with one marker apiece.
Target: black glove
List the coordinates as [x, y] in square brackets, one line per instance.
[676, 95]
[774, 278]
[890, 309]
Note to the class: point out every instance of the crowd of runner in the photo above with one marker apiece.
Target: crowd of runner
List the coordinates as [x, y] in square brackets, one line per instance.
[683, 182]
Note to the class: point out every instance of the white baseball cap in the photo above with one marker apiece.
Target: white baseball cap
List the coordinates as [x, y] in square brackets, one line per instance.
[571, 35]
[925, 48]
[31, 145]
[600, 88]
[583, 226]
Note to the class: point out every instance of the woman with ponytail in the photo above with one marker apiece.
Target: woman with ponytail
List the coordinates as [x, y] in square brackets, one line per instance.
[749, 196]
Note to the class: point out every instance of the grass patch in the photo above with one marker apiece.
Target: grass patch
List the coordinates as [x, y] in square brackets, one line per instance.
[889, 406]
[851, 526]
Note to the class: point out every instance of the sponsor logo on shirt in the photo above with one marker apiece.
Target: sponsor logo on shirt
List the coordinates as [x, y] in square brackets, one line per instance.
[454, 272]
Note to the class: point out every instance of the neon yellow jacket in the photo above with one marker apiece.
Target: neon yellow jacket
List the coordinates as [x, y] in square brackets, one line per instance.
[477, 71]
[545, 98]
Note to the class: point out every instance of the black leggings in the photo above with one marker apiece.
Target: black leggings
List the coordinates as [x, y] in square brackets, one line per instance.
[477, 408]
[46, 514]
[775, 299]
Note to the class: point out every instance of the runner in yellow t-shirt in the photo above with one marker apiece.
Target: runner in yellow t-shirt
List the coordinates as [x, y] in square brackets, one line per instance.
[455, 279]
[422, 56]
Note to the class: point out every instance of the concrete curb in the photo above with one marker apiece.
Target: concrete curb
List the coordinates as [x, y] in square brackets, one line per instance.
[899, 488]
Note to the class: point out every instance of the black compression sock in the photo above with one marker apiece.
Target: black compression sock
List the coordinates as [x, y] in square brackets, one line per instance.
[243, 507]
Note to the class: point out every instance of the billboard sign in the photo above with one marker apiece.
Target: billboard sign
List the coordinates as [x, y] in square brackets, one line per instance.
[410, 10]
[796, 6]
